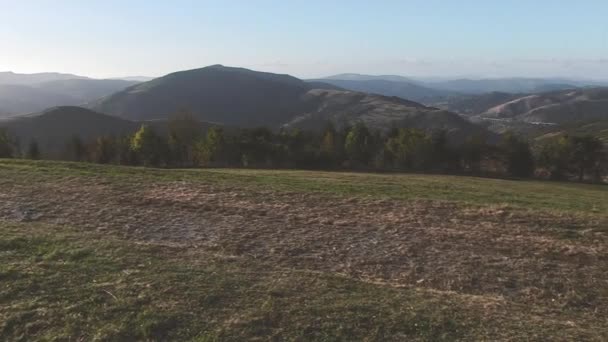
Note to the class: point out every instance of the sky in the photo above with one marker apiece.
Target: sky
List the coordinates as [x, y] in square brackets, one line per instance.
[308, 39]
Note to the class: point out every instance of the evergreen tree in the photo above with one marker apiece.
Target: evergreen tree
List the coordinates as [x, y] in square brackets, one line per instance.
[587, 153]
[184, 133]
[103, 150]
[75, 149]
[148, 146]
[33, 151]
[472, 152]
[6, 145]
[209, 150]
[359, 145]
[409, 149]
[517, 156]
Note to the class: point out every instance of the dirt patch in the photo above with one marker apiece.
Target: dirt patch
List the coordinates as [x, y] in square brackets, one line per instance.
[557, 260]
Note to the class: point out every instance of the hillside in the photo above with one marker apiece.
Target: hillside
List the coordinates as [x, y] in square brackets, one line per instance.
[555, 107]
[381, 113]
[405, 90]
[53, 127]
[245, 98]
[217, 94]
[361, 77]
[121, 253]
[20, 99]
[24, 99]
[85, 90]
[33, 79]
[505, 85]
[595, 128]
[474, 104]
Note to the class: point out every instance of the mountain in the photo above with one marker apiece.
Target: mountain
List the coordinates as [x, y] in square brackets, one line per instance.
[32, 79]
[474, 104]
[505, 85]
[226, 95]
[360, 77]
[381, 113]
[53, 127]
[246, 98]
[135, 78]
[22, 99]
[402, 89]
[555, 107]
[86, 90]
[596, 128]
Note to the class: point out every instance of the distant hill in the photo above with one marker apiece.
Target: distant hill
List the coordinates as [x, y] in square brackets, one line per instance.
[221, 94]
[514, 85]
[474, 104]
[53, 127]
[505, 85]
[246, 98]
[22, 99]
[86, 90]
[555, 107]
[360, 77]
[402, 89]
[596, 128]
[9, 77]
[135, 78]
[380, 112]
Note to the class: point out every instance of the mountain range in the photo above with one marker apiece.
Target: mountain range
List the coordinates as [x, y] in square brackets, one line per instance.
[554, 107]
[246, 98]
[238, 97]
[390, 87]
[29, 93]
[9, 77]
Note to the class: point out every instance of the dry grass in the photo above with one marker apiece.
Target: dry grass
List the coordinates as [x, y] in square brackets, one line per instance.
[541, 271]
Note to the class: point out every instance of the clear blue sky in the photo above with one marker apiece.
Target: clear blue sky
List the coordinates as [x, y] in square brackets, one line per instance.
[481, 38]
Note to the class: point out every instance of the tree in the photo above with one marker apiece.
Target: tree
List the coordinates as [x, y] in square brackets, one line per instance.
[148, 146]
[124, 154]
[256, 146]
[587, 153]
[408, 148]
[576, 155]
[209, 149]
[328, 142]
[443, 158]
[472, 152]
[555, 156]
[359, 145]
[184, 132]
[75, 149]
[103, 150]
[6, 145]
[33, 151]
[517, 156]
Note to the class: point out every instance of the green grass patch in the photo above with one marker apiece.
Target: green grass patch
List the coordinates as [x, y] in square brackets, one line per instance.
[555, 196]
[58, 284]
[63, 285]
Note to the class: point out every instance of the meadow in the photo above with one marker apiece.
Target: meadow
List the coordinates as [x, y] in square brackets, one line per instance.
[93, 252]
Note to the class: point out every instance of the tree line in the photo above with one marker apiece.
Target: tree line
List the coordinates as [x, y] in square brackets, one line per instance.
[186, 144]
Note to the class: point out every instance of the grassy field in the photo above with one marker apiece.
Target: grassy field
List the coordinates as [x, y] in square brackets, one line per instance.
[572, 197]
[115, 253]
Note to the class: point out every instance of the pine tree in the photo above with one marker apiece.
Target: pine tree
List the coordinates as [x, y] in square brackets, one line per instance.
[33, 151]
